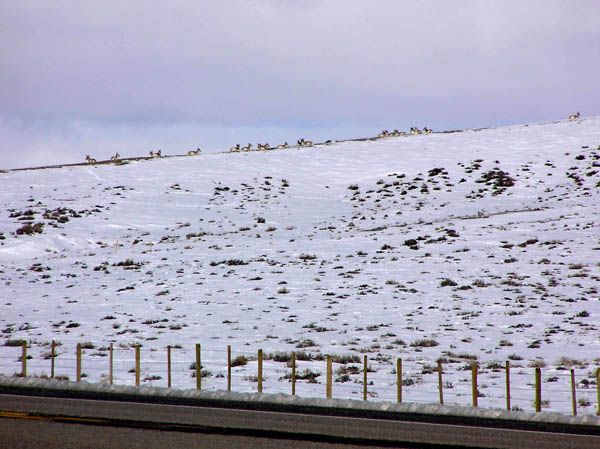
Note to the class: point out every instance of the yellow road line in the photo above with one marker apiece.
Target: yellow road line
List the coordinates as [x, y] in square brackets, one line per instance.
[21, 415]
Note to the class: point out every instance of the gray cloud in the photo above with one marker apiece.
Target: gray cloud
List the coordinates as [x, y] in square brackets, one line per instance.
[124, 72]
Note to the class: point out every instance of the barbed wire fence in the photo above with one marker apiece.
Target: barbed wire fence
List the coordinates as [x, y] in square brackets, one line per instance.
[509, 385]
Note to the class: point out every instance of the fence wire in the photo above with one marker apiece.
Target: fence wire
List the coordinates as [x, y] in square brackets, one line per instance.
[420, 378]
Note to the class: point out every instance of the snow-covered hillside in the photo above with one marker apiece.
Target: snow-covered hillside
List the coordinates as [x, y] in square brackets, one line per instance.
[476, 245]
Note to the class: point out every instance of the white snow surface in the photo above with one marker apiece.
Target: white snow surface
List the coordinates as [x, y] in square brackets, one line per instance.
[476, 245]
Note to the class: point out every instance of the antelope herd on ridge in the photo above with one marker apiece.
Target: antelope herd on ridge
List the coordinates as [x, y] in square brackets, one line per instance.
[300, 143]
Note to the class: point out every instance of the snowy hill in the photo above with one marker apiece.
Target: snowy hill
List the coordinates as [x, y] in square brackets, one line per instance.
[476, 245]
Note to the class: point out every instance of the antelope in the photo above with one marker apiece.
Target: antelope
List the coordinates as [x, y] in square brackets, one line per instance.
[383, 133]
[155, 153]
[89, 160]
[247, 147]
[282, 146]
[575, 116]
[427, 131]
[195, 152]
[263, 146]
[414, 130]
[235, 148]
[116, 157]
[305, 143]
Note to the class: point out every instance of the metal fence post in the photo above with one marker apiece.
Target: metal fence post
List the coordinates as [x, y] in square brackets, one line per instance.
[260, 370]
[365, 377]
[399, 380]
[329, 389]
[293, 374]
[507, 385]
[440, 383]
[538, 390]
[168, 366]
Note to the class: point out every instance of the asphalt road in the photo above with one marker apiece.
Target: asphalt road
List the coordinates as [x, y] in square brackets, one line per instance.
[43, 422]
[25, 434]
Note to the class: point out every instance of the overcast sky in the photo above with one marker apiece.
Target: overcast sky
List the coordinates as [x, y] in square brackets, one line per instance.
[94, 77]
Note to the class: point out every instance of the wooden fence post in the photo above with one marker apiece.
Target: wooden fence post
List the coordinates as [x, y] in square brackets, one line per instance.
[538, 390]
[168, 366]
[365, 378]
[329, 389]
[228, 367]
[399, 380]
[573, 393]
[110, 364]
[598, 391]
[474, 384]
[293, 374]
[137, 365]
[52, 355]
[78, 367]
[507, 385]
[24, 359]
[260, 370]
[198, 367]
[440, 384]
